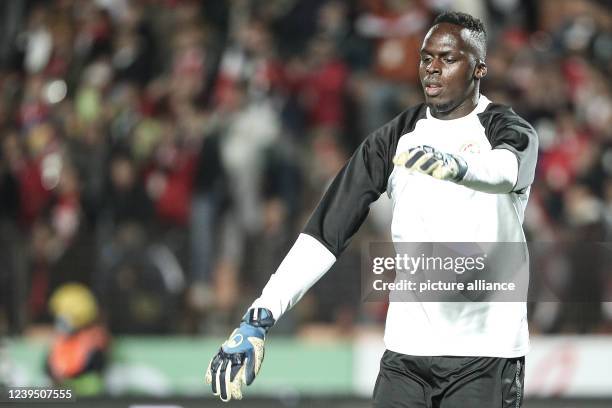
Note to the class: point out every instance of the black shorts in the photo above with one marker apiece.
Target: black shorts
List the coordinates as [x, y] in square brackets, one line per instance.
[449, 382]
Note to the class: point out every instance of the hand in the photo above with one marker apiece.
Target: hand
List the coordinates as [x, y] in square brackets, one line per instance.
[427, 160]
[239, 358]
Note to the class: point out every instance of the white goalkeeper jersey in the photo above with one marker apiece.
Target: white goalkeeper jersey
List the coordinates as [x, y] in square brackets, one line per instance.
[427, 210]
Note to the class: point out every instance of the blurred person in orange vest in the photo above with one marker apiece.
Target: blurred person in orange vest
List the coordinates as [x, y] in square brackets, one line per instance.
[78, 355]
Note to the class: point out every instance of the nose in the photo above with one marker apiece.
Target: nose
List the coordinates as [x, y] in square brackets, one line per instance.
[433, 66]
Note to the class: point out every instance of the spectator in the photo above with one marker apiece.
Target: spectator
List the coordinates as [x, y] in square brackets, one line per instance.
[200, 127]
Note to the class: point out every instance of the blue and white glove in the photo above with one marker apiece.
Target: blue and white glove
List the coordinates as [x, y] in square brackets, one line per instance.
[427, 160]
[239, 358]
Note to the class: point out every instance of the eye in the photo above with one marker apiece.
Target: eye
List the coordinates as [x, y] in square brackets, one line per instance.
[425, 59]
[450, 60]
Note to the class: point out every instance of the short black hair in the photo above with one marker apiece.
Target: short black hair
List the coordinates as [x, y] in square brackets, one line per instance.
[473, 24]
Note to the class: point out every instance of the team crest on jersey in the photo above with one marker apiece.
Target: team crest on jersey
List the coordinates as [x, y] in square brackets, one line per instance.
[471, 147]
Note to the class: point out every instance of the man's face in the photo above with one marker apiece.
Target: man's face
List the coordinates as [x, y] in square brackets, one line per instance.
[447, 68]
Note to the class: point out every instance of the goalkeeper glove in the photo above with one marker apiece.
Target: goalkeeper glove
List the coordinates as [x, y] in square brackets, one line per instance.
[240, 357]
[427, 160]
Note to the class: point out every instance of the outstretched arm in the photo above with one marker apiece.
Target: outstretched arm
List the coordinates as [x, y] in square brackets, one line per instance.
[337, 217]
[335, 220]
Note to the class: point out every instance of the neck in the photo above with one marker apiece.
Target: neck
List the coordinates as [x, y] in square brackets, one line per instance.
[459, 111]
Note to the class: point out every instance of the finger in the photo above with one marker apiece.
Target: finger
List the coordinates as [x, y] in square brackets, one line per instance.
[213, 366]
[237, 389]
[237, 384]
[226, 384]
[421, 160]
[401, 159]
[258, 353]
[441, 173]
[430, 165]
[222, 383]
[216, 385]
[414, 157]
[244, 371]
[208, 376]
[249, 370]
[237, 363]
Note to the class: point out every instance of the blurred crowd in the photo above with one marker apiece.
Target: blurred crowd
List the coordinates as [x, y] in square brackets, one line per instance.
[165, 153]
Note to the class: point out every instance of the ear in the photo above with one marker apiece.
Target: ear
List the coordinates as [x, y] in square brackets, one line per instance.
[481, 70]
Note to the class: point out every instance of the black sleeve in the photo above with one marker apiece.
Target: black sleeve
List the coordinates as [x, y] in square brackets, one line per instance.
[361, 181]
[507, 130]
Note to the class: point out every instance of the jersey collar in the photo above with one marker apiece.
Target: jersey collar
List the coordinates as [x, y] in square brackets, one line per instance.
[483, 102]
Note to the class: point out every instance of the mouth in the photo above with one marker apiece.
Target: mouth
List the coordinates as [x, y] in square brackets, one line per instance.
[433, 90]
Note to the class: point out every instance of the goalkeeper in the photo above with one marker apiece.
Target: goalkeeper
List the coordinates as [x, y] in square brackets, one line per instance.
[458, 168]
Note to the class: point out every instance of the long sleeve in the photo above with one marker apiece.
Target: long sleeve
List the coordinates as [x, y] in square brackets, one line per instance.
[510, 164]
[305, 263]
[494, 171]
